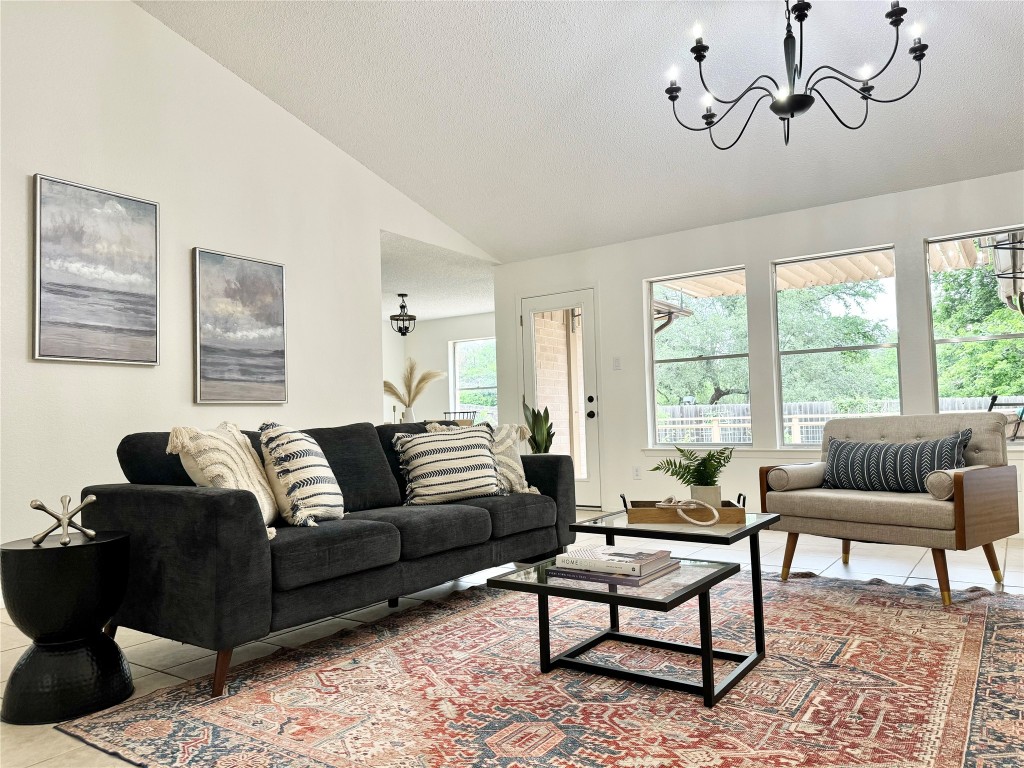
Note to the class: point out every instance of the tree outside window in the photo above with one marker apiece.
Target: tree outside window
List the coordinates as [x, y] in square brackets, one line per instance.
[979, 334]
[475, 379]
[701, 382]
[838, 340]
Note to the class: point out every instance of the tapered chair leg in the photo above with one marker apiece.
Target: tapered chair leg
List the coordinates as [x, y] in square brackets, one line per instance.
[846, 551]
[787, 557]
[939, 556]
[993, 562]
[110, 629]
[220, 671]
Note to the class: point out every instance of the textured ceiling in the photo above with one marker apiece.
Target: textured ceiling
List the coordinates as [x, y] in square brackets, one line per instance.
[541, 128]
[440, 282]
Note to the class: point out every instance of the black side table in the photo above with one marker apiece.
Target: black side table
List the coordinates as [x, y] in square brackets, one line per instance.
[61, 597]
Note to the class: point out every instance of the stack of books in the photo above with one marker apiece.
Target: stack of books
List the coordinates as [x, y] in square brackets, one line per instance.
[614, 564]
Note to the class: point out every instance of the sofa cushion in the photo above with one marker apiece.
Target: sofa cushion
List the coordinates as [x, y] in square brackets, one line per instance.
[359, 465]
[427, 529]
[307, 555]
[144, 460]
[911, 510]
[891, 466]
[517, 512]
[793, 477]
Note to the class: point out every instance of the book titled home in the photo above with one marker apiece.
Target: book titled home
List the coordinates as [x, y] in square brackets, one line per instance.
[613, 558]
[612, 578]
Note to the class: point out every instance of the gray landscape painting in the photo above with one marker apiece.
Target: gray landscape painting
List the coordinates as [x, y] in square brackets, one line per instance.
[97, 275]
[240, 327]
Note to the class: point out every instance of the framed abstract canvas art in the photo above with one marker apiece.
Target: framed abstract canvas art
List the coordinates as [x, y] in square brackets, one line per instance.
[240, 329]
[97, 275]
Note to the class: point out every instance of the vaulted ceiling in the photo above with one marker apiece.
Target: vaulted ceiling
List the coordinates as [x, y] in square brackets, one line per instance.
[542, 128]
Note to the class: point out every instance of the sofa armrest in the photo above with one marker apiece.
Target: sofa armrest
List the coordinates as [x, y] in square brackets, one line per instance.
[985, 505]
[939, 483]
[199, 569]
[553, 475]
[795, 477]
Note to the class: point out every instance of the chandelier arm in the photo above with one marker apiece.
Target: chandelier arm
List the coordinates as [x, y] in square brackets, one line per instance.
[895, 47]
[687, 127]
[749, 88]
[871, 98]
[744, 128]
[836, 114]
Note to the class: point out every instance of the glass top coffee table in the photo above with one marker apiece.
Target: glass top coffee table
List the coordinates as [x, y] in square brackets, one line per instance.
[617, 524]
[694, 578]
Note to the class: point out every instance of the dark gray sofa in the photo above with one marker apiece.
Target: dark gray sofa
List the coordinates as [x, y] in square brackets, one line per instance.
[203, 572]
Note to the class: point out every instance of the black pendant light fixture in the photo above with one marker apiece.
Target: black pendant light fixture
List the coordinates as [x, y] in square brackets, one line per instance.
[787, 102]
[403, 322]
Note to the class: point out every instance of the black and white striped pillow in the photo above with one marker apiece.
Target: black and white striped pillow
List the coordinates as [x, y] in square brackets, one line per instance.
[303, 483]
[891, 466]
[448, 466]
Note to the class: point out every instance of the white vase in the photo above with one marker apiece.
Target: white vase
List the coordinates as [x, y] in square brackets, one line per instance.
[709, 494]
[408, 417]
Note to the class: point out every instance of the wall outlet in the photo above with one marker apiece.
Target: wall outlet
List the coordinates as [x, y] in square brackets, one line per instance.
[636, 473]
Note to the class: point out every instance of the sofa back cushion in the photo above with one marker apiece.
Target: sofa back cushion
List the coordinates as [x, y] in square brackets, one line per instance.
[988, 432]
[144, 459]
[360, 465]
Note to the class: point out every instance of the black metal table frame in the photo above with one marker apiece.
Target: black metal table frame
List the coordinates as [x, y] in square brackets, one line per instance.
[710, 691]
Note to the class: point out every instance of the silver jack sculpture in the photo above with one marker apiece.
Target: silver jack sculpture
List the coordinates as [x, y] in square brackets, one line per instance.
[64, 520]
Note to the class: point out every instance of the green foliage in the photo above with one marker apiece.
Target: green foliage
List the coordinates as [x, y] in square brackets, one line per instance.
[476, 363]
[542, 432]
[693, 469]
[486, 397]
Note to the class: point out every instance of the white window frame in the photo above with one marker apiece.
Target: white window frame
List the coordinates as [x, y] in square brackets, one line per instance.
[780, 416]
[934, 343]
[652, 398]
[453, 373]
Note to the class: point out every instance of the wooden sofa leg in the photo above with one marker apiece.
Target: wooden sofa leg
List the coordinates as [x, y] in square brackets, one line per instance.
[110, 629]
[220, 672]
[846, 551]
[392, 602]
[993, 562]
[787, 558]
[939, 556]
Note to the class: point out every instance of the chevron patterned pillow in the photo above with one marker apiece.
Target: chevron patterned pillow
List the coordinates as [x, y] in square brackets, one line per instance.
[891, 466]
[507, 437]
[303, 483]
[448, 466]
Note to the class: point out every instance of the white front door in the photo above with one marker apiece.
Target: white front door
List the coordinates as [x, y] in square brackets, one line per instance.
[559, 356]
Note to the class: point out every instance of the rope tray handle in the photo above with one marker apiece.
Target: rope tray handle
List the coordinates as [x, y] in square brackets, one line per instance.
[680, 505]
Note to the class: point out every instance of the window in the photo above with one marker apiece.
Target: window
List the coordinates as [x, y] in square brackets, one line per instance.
[475, 379]
[978, 332]
[836, 321]
[699, 340]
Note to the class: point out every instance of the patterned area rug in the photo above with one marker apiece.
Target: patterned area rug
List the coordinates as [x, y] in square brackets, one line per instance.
[857, 674]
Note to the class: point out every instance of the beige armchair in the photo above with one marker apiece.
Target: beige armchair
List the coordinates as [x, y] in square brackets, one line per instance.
[963, 509]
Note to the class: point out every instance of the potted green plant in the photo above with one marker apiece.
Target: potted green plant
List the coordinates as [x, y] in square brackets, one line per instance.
[542, 432]
[699, 472]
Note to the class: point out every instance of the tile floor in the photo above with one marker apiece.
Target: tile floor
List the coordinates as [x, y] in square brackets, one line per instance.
[158, 663]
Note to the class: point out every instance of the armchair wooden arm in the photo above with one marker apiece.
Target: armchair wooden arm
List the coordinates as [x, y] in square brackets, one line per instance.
[763, 480]
[985, 505]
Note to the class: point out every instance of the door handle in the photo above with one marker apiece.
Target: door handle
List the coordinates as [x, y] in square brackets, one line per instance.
[591, 414]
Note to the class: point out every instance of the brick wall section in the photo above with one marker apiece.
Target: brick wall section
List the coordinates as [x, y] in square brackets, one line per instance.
[551, 356]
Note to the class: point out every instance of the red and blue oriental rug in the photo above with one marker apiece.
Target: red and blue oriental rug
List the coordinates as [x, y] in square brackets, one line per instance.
[857, 674]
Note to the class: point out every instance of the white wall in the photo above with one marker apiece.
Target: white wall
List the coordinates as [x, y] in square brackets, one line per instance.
[105, 95]
[617, 272]
[393, 352]
[428, 345]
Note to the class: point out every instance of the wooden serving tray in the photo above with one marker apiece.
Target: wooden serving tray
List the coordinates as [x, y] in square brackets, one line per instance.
[647, 512]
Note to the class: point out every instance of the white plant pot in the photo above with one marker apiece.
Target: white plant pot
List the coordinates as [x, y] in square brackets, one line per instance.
[709, 494]
[408, 416]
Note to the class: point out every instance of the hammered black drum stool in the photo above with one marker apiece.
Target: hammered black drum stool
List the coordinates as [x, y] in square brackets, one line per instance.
[61, 597]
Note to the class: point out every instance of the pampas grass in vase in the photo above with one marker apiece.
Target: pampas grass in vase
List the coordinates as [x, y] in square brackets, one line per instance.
[413, 386]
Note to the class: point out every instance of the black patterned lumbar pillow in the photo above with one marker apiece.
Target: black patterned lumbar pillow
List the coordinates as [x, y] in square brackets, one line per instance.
[891, 466]
[300, 477]
[448, 466]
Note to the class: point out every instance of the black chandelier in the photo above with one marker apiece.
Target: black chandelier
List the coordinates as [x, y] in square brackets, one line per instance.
[786, 102]
[403, 322]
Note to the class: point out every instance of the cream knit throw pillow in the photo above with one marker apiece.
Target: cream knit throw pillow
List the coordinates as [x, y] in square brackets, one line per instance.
[507, 437]
[224, 458]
